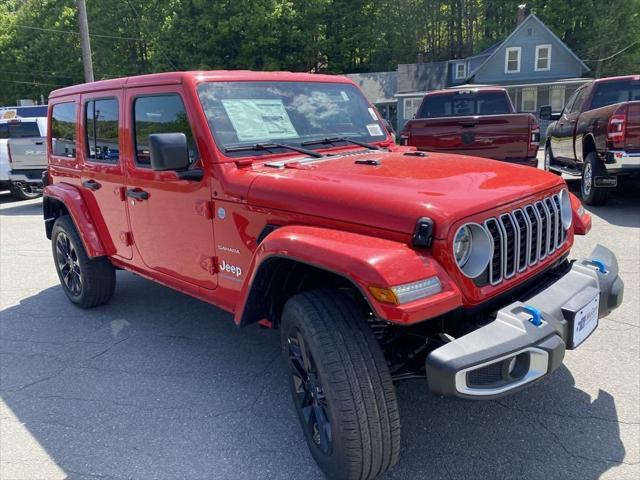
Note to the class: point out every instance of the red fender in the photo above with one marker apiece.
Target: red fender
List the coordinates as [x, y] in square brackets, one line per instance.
[72, 199]
[581, 219]
[363, 260]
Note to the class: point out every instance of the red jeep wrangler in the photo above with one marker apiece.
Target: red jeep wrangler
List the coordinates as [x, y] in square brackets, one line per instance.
[281, 198]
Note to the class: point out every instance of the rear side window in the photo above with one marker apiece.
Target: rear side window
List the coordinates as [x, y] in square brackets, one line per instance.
[19, 129]
[63, 130]
[101, 124]
[160, 114]
[458, 104]
[608, 93]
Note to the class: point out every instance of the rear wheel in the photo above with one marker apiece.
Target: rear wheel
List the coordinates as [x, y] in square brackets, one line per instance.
[592, 195]
[23, 191]
[88, 282]
[341, 385]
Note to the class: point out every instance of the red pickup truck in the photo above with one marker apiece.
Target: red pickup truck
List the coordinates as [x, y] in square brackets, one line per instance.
[478, 121]
[280, 198]
[596, 136]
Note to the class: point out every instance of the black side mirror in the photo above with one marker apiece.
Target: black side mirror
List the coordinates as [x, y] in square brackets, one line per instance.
[169, 151]
[546, 112]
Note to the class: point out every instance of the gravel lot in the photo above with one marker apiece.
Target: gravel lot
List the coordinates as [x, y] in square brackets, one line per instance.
[159, 385]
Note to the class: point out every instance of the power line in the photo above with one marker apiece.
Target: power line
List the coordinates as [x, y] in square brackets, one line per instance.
[69, 32]
[36, 83]
[41, 73]
[615, 54]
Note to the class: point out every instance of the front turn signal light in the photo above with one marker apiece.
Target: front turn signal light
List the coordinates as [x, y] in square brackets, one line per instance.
[407, 292]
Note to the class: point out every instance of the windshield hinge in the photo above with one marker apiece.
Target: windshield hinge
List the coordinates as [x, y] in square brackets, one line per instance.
[244, 162]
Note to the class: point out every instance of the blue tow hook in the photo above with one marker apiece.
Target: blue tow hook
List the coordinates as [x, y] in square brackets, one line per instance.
[536, 316]
[600, 265]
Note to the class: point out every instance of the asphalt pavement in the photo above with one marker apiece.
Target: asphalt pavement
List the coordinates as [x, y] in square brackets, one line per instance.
[157, 385]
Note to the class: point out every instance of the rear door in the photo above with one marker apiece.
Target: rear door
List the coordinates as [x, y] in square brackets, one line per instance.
[102, 179]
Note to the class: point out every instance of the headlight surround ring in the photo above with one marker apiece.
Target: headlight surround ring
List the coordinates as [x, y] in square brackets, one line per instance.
[480, 250]
[566, 211]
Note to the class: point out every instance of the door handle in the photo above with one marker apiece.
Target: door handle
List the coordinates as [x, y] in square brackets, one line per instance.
[91, 185]
[137, 194]
[39, 143]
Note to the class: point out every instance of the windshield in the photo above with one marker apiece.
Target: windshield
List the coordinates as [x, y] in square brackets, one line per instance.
[464, 103]
[288, 113]
[608, 93]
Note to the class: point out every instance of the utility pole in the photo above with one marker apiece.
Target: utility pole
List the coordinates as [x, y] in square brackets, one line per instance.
[85, 43]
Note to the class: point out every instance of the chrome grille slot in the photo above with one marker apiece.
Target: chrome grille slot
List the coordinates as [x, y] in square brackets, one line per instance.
[497, 239]
[553, 224]
[534, 233]
[511, 245]
[523, 237]
[544, 229]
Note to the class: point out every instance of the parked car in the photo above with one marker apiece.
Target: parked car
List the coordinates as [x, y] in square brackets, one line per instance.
[280, 198]
[22, 155]
[477, 121]
[596, 136]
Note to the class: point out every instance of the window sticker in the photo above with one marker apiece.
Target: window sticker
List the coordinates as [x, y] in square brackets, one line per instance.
[345, 97]
[259, 119]
[375, 130]
[372, 112]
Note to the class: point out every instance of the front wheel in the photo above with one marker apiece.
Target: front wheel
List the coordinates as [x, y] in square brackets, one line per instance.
[88, 282]
[548, 157]
[341, 385]
[23, 191]
[592, 195]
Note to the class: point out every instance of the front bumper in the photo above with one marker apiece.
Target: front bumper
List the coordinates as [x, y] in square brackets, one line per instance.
[620, 161]
[514, 351]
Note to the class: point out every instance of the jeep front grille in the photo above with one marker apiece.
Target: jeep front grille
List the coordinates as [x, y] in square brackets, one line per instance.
[523, 237]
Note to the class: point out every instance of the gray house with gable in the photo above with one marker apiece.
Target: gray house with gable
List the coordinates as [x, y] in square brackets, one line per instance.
[532, 63]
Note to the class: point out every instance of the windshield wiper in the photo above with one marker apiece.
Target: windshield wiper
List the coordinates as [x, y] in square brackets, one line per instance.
[324, 141]
[269, 146]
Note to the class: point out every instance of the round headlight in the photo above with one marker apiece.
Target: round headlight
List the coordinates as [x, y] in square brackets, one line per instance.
[472, 249]
[566, 213]
[462, 245]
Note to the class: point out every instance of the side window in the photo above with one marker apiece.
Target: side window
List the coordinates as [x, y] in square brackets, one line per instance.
[101, 123]
[63, 130]
[578, 100]
[160, 114]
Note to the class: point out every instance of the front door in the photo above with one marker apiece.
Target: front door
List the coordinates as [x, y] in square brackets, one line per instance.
[103, 168]
[562, 140]
[170, 232]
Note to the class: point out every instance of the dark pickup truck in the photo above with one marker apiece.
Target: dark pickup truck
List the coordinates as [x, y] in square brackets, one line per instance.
[479, 122]
[596, 136]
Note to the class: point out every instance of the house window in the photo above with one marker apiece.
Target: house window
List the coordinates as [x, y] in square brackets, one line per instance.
[543, 58]
[529, 99]
[512, 60]
[556, 97]
[461, 70]
[411, 107]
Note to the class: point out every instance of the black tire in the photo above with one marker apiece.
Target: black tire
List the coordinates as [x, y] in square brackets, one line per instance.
[88, 282]
[354, 394]
[548, 159]
[592, 195]
[23, 193]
